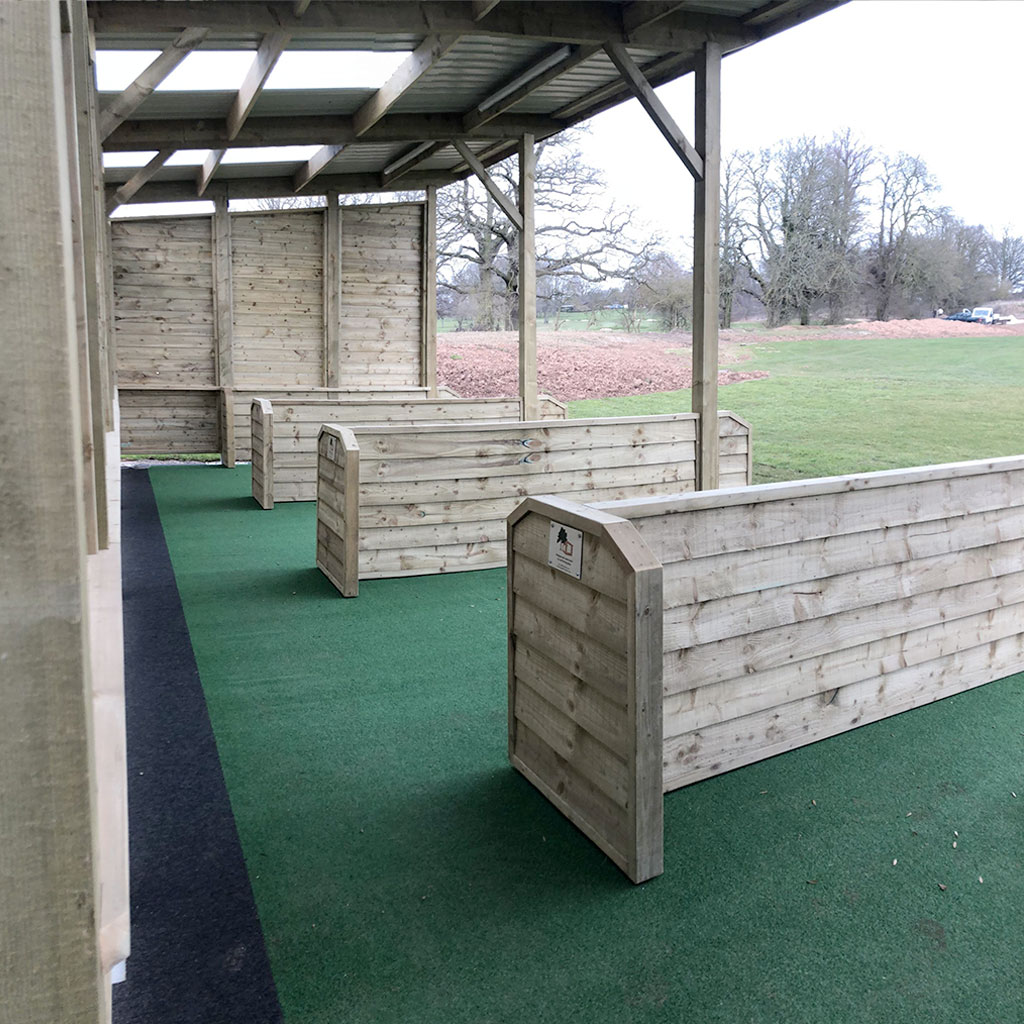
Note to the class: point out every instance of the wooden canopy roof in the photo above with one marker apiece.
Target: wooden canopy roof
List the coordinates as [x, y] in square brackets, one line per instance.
[478, 76]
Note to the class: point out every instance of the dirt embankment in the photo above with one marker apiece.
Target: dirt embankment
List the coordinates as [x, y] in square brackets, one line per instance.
[599, 364]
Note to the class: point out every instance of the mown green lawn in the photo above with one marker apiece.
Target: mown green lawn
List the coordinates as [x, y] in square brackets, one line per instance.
[850, 406]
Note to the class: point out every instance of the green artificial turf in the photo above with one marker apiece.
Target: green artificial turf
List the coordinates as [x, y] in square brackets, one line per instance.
[852, 406]
[405, 873]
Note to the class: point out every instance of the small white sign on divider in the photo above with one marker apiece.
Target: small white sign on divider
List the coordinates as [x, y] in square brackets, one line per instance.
[565, 549]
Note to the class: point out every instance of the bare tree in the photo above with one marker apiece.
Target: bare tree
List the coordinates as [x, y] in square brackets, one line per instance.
[903, 210]
[578, 237]
[1005, 261]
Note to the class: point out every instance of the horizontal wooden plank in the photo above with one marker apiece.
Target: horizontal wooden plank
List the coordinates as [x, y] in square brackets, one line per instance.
[732, 744]
[591, 759]
[591, 710]
[695, 709]
[577, 653]
[756, 652]
[770, 608]
[576, 797]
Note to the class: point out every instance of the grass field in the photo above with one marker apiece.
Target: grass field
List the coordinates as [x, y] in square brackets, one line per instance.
[833, 407]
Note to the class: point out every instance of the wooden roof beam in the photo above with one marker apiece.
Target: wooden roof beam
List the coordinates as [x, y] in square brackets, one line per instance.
[316, 163]
[137, 180]
[641, 88]
[481, 8]
[317, 129]
[508, 207]
[209, 168]
[267, 55]
[580, 22]
[123, 106]
[414, 67]
[281, 185]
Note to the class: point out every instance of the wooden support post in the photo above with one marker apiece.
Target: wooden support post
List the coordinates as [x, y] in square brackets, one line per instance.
[428, 353]
[223, 307]
[705, 263]
[96, 228]
[527, 281]
[49, 900]
[332, 292]
[94, 489]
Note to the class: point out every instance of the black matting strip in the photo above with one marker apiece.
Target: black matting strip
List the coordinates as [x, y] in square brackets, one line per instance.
[197, 949]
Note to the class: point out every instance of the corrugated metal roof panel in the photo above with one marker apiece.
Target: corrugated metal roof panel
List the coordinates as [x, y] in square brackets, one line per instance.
[472, 71]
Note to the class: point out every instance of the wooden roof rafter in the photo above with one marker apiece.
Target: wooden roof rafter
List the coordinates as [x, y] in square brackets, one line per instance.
[478, 75]
[132, 97]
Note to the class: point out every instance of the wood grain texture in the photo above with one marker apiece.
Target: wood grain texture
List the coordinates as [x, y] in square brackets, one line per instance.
[584, 700]
[434, 497]
[797, 611]
[337, 503]
[292, 458]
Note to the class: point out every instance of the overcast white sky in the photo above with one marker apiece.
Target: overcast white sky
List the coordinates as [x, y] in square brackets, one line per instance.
[940, 79]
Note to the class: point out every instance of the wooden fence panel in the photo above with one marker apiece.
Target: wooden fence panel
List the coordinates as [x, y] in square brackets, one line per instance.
[277, 290]
[242, 399]
[797, 611]
[584, 675]
[381, 294]
[435, 498]
[169, 421]
[163, 301]
[293, 456]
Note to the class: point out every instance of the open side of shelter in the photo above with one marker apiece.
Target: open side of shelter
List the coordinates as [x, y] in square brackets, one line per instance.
[179, 322]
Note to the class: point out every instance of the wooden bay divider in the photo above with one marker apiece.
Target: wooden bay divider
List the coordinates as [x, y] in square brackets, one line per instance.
[434, 498]
[284, 436]
[790, 613]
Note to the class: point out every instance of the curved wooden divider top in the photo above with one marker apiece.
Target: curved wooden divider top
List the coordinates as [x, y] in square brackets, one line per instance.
[584, 674]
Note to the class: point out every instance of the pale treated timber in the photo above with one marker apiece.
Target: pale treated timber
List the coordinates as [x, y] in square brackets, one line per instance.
[137, 180]
[291, 457]
[93, 477]
[516, 89]
[589, 748]
[270, 50]
[209, 168]
[649, 100]
[332, 290]
[434, 497]
[314, 165]
[428, 284]
[579, 22]
[51, 896]
[706, 214]
[418, 63]
[527, 278]
[503, 201]
[123, 106]
[792, 612]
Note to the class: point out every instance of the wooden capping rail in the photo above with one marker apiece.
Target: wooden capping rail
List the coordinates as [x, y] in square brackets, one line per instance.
[584, 676]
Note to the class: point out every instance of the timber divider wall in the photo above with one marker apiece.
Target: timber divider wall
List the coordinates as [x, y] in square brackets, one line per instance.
[789, 613]
[212, 311]
[434, 498]
[286, 434]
